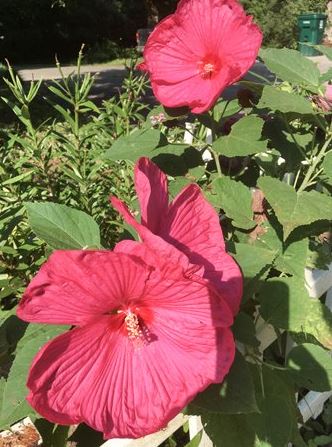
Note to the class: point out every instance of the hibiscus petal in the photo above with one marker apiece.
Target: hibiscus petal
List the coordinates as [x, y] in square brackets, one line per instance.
[186, 300]
[73, 287]
[227, 279]
[193, 226]
[164, 255]
[97, 376]
[152, 192]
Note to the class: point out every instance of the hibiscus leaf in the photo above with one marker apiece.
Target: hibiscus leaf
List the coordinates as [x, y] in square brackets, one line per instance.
[236, 395]
[285, 102]
[229, 430]
[244, 139]
[311, 367]
[327, 165]
[290, 65]
[235, 199]
[196, 441]
[285, 303]
[255, 263]
[13, 390]
[244, 330]
[327, 51]
[293, 258]
[277, 419]
[131, 147]
[63, 227]
[294, 209]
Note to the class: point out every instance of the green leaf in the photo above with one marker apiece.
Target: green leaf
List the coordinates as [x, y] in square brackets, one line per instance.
[229, 430]
[327, 165]
[278, 411]
[295, 209]
[138, 144]
[63, 227]
[285, 303]
[13, 390]
[325, 50]
[326, 77]
[290, 65]
[236, 395]
[285, 102]
[195, 442]
[293, 258]
[254, 262]
[311, 367]
[244, 139]
[244, 330]
[235, 199]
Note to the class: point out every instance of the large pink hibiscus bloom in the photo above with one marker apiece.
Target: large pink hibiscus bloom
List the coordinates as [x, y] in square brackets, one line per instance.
[194, 54]
[189, 223]
[147, 337]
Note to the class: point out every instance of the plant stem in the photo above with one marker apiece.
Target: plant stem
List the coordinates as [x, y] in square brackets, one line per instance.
[311, 174]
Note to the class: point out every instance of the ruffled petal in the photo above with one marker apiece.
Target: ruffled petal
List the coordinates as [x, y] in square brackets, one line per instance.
[152, 192]
[193, 226]
[161, 253]
[97, 376]
[186, 300]
[75, 287]
[226, 277]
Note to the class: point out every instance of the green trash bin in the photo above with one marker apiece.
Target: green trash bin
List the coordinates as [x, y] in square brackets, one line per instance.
[311, 30]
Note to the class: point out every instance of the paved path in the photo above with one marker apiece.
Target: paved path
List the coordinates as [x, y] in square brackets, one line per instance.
[109, 78]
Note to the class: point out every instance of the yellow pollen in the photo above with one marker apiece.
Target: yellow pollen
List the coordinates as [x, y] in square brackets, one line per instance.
[208, 68]
[133, 326]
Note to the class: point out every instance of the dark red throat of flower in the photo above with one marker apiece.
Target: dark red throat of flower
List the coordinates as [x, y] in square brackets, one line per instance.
[207, 70]
[134, 327]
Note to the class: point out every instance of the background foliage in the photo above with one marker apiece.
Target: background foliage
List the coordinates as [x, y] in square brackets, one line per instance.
[36, 30]
[278, 18]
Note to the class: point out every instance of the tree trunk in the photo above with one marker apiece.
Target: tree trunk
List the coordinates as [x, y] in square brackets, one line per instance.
[158, 9]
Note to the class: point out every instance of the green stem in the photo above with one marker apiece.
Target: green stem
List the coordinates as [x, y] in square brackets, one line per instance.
[214, 134]
[311, 174]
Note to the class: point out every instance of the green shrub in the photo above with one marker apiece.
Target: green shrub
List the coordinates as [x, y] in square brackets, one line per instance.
[278, 18]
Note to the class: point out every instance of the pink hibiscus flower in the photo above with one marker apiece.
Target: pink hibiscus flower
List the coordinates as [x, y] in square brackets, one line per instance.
[195, 53]
[147, 338]
[189, 223]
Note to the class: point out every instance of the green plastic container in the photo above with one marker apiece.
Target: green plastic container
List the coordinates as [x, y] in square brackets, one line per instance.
[311, 30]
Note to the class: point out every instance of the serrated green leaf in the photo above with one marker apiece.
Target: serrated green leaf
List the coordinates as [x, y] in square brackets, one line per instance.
[255, 263]
[236, 395]
[293, 258]
[63, 227]
[311, 367]
[325, 77]
[278, 412]
[245, 138]
[229, 430]
[290, 65]
[253, 259]
[285, 102]
[295, 209]
[244, 330]
[13, 390]
[285, 303]
[235, 199]
[325, 50]
[138, 144]
[327, 165]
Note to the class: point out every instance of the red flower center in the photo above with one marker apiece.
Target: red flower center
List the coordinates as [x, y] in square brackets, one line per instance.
[208, 68]
[134, 326]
